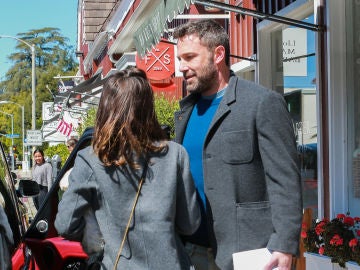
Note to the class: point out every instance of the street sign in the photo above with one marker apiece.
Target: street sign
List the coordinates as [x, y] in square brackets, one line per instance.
[34, 137]
[12, 136]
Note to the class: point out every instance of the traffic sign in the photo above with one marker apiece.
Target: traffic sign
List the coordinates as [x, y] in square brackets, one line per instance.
[12, 136]
[34, 137]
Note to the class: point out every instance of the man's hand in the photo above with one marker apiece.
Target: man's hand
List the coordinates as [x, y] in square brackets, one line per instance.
[280, 260]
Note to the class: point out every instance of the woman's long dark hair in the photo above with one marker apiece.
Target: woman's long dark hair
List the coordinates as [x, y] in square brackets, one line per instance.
[126, 122]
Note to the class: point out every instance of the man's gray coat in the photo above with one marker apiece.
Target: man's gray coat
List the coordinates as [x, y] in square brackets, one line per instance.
[251, 174]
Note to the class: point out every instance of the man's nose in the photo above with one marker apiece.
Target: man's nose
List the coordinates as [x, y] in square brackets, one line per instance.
[183, 66]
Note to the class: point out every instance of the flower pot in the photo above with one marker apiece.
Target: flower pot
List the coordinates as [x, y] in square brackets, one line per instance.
[352, 266]
[320, 262]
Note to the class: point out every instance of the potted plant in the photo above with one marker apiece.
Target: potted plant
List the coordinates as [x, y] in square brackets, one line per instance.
[337, 239]
[355, 252]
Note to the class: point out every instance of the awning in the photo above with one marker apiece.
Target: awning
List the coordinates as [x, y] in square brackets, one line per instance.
[87, 89]
[97, 47]
[260, 15]
[84, 92]
[150, 32]
[150, 21]
[83, 87]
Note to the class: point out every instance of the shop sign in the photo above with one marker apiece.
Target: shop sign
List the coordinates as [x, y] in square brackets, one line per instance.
[294, 52]
[159, 63]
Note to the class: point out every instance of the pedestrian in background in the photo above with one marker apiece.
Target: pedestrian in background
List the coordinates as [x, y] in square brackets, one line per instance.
[42, 174]
[64, 182]
[70, 144]
[129, 146]
[243, 156]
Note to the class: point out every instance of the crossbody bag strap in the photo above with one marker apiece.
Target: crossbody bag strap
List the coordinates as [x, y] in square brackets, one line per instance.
[131, 215]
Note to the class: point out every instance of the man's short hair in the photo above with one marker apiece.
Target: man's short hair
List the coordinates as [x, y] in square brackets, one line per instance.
[210, 33]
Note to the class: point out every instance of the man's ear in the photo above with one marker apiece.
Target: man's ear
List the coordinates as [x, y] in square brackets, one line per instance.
[219, 54]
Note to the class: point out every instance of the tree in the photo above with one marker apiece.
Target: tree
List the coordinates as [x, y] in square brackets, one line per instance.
[52, 52]
[53, 57]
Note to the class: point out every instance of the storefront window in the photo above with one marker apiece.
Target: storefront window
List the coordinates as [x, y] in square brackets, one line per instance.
[294, 75]
[353, 88]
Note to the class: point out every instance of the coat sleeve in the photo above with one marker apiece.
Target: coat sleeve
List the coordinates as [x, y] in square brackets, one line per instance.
[75, 201]
[281, 165]
[187, 209]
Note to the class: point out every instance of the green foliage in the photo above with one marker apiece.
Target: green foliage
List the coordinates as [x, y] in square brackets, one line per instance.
[5, 124]
[88, 120]
[51, 53]
[165, 109]
[60, 150]
[53, 56]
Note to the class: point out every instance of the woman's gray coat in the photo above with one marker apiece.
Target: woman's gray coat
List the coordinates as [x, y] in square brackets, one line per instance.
[167, 206]
[251, 173]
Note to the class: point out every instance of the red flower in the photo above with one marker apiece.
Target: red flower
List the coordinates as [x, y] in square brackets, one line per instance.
[349, 221]
[304, 226]
[336, 240]
[353, 242]
[320, 228]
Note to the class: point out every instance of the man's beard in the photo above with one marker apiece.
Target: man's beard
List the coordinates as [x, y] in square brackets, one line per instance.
[205, 79]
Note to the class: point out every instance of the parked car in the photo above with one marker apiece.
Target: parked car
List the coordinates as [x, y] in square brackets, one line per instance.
[37, 245]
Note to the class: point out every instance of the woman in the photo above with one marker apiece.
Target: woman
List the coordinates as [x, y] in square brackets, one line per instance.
[128, 143]
[70, 144]
[64, 182]
[42, 174]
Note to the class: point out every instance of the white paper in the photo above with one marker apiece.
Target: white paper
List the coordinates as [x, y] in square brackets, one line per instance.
[252, 259]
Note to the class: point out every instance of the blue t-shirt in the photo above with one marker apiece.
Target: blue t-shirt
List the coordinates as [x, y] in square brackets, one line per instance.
[194, 138]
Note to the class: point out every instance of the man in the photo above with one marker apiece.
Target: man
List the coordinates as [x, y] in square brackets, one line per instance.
[243, 156]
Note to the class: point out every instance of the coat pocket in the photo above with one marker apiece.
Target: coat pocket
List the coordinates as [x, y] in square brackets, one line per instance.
[237, 147]
[254, 225]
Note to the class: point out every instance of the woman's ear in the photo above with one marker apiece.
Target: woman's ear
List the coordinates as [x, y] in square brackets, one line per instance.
[219, 54]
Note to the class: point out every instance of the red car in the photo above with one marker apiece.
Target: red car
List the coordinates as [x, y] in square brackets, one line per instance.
[37, 245]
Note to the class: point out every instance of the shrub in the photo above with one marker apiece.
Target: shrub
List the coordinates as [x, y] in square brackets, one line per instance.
[165, 108]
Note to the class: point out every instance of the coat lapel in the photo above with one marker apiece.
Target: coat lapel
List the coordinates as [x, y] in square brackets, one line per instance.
[187, 105]
[224, 106]
[182, 116]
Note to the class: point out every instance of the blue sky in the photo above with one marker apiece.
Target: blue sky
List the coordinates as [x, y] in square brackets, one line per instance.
[19, 16]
